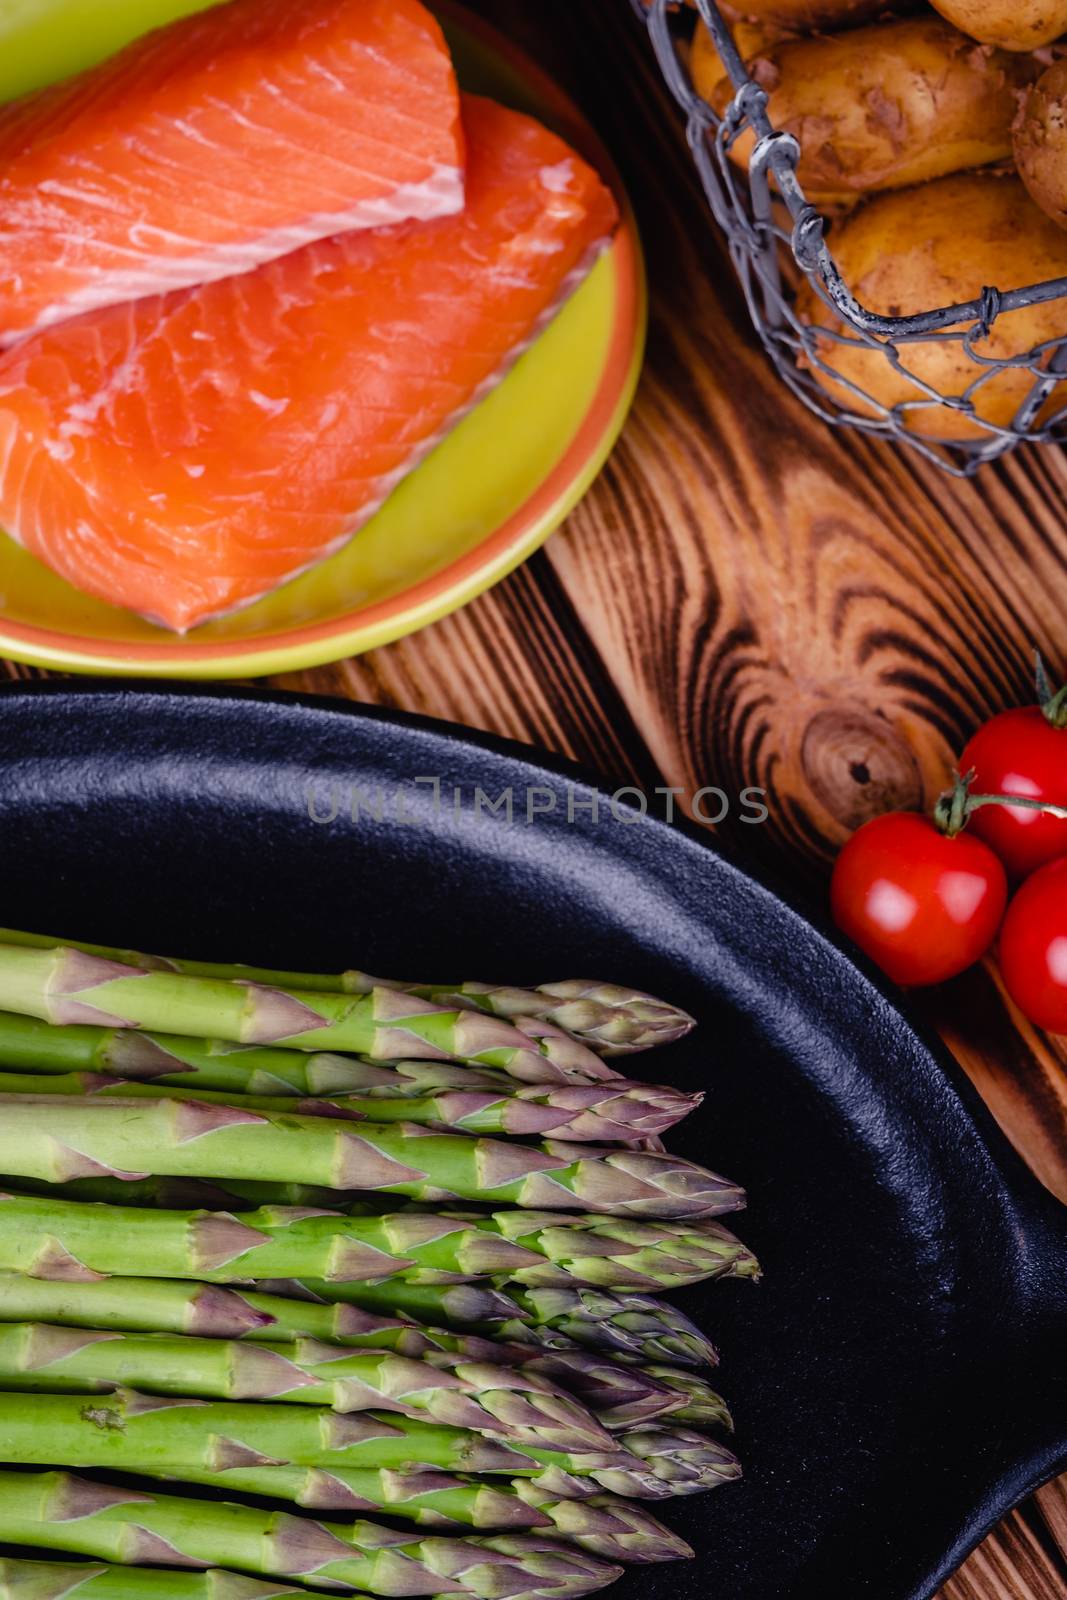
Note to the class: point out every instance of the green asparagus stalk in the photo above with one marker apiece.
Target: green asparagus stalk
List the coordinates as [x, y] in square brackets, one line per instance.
[601, 1523]
[29, 1045]
[620, 1111]
[49, 1237]
[498, 1400]
[611, 1019]
[174, 1194]
[186, 1437]
[131, 1432]
[467, 1307]
[608, 1526]
[61, 1139]
[604, 1524]
[58, 1512]
[618, 1395]
[606, 1017]
[438, 1499]
[631, 1326]
[65, 986]
[699, 1404]
[159, 1305]
[55, 1580]
[679, 1459]
[618, 1252]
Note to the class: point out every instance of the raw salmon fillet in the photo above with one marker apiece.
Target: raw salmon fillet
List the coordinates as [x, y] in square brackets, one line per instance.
[182, 456]
[221, 142]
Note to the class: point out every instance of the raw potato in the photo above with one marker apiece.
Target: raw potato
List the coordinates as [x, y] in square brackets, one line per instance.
[803, 16]
[885, 106]
[753, 40]
[1041, 142]
[933, 246]
[1012, 24]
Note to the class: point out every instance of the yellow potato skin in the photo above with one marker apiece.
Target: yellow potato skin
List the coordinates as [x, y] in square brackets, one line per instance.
[918, 249]
[1041, 142]
[886, 106]
[803, 16]
[753, 40]
[1011, 24]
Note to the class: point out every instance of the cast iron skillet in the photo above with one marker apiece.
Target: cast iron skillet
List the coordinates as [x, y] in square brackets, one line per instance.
[898, 1377]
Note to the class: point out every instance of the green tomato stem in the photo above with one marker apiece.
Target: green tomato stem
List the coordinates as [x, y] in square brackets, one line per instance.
[1053, 703]
[955, 807]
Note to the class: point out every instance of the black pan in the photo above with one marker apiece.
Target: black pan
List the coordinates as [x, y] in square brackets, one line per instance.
[899, 1377]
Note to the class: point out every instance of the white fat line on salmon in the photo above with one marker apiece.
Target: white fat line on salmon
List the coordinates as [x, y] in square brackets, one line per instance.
[386, 485]
[442, 194]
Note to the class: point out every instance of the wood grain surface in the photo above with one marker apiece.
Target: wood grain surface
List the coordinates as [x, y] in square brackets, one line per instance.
[747, 598]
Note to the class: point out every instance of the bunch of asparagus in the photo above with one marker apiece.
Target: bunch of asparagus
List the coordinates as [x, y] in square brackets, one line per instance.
[351, 1246]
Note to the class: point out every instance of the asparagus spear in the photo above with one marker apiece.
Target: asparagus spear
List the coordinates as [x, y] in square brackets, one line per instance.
[170, 1194]
[150, 1305]
[463, 1394]
[621, 1111]
[132, 1432]
[464, 1306]
[49, 1237]
[608, 1526]
[611, 1019]
[55, 1580]
[698, 1402]
[64, 985]
[58, 1512]
[30, 1045]
[437, 1499]
[187, 1438]
[61, 1139]
[711, 1249]
[683, 1461]
[619, 1252]
[630, 1326]
[602, 1523]
[618, 1395]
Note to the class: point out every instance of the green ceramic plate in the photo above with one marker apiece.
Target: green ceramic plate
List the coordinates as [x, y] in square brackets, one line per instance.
[486, 499]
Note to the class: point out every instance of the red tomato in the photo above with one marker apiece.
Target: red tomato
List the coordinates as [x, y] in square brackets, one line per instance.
[922, 905]
[1033, 948]
[1020, 752]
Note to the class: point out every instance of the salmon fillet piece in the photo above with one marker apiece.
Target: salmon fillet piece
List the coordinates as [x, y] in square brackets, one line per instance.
[184, 455]
[218, 143]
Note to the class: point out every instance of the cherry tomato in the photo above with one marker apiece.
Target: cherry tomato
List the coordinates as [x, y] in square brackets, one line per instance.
[1033, 948]
[922, 905]
[1020, 752]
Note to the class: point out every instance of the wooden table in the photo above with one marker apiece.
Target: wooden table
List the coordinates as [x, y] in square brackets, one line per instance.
[746, 598]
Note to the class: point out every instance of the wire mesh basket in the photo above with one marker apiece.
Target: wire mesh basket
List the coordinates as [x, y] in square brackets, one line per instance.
[777, 238]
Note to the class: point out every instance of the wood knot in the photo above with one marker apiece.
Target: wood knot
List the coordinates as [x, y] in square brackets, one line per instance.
[857, 766]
